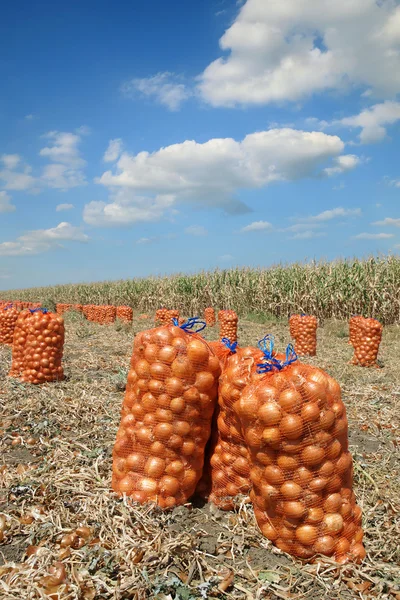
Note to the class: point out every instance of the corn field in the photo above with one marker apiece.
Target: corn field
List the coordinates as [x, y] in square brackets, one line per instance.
[369, 287]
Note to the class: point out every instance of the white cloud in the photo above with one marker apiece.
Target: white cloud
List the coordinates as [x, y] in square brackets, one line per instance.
[372, 121]
[146, 186]
[388, 221]
[344, 163]
[166, 88]
[196, 230]
[307, 235]
[5, 203]
[392, 182]
[42, 240]
[257, 226]
[61, 207]
[373, 236]
[288, 50]
[113, 151]
[333, 213]
[155, 238]
[65, 170]
[10, 161]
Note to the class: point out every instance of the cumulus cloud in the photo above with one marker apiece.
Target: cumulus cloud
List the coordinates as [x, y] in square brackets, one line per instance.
[342, 164]
[146, 186]
[388, 221]
[257, 226]
[285, 51]
[166, 89]
[42, 240]
[5, 203]
[196, 230]
[373, 236]
[65, 170]
[61, 207]
[113, 151]
[373, 121]
[333, 213]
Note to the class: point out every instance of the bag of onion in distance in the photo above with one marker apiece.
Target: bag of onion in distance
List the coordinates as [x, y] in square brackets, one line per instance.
[166, 417]
[295, 427]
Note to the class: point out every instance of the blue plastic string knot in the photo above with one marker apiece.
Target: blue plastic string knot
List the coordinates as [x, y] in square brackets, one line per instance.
[230, 345]
[42, 310]
[270, 363]
[190, 325]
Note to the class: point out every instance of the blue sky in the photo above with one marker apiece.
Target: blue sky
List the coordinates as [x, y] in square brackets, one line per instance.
[139, 140]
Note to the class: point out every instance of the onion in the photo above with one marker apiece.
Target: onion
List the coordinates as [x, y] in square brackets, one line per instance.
[269, 532]
[192, 395]
[154, 467]
[175, 468]
[310, 412]
[312, 455]
[148, 402]
[270, 413]
[294, 509]
[358, 552]
[306, 534]
[267, 457]
[318, 484]
[147, 485]
[303, 476]
[290, 400]
[344, 463]
[287, 462]
[204, 381]
[271, 436]
[175, 442]
[273, 475]
[157, 449]
[126, 485]
[178, 405]
[333, 503]
[163, 431]
[326, 469]
[333, 523]
[174, 386]
[315, 515]
[169, 486]
[151, 352]
[327, 419]
[248, 406]
[325, 545]
[167, 354]
[334, 484]
[342, 546]
[333, 450]
[291, 490]
[291, 426]
[188, 448]
[182, 368]
[197, 352]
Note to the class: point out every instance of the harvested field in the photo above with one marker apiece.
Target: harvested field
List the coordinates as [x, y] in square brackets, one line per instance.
[55, 470]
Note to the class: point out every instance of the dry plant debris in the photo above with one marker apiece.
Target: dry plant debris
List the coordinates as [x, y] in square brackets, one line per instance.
[64, 534]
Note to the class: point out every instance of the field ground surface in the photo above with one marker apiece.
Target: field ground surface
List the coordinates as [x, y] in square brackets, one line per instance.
[55, 475]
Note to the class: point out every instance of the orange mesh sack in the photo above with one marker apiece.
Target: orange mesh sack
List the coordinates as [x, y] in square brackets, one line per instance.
[125, 313]
[43, 347]
[19, 342]
[228, 321]
[295, 427]
[293, 321]
[62, 308]
[166, 416]
[209, 316]
[8, 318]
[230, 461]
[353, 328]
[367, 339]
[161, 316]
[305, 335]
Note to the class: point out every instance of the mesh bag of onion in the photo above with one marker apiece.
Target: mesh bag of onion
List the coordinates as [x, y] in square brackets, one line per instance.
[166, 415]
[353, 328]
[293, 320]
[161, 316]
[366, 341]
[39, 347]
[228, 322]
[125, 314]
[8, 318]
[295, 428]
[19, 341]
[305, 335]
[209, 316]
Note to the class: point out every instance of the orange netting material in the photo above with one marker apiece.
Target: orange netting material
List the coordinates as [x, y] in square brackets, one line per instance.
[295, 428]
[303, 329]
[161, 316]
[209, 316]
[8, 318]
[125, 313]
[228, 322]
[366, 336]
[230, 461]
[103, 314]
[18, 346]
[39, 343]
[166, 417]
[62, 308]
[353, 327]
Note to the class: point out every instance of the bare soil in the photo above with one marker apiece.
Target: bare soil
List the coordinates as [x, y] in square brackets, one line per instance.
[55, 472]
